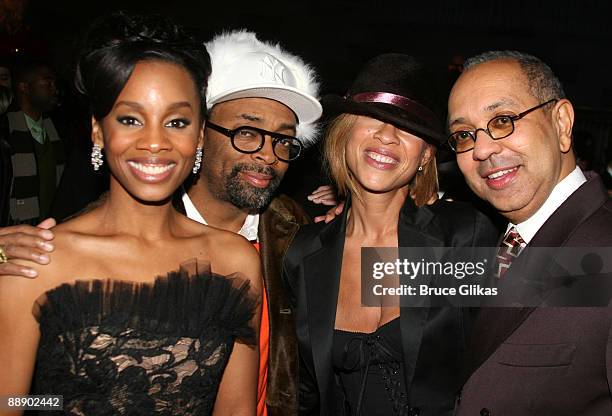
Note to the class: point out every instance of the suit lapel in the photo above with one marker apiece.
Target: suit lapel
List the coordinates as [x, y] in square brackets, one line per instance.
[324, 265]
[415, 229]
[578, 207]
[494, 325]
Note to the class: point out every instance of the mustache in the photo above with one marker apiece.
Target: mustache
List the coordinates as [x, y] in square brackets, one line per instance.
[245, 167]
[496, 163]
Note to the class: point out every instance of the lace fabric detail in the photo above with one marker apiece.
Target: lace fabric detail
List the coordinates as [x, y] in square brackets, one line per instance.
[122, 348]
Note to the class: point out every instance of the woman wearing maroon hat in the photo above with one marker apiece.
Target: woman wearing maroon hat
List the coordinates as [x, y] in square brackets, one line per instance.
[380, 149]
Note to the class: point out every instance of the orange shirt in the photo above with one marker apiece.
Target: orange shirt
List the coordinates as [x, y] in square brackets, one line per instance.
[264, 348]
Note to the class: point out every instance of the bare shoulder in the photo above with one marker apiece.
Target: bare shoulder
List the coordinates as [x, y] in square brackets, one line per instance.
[232, 253]
[227, 252]
[19, 300]
[233, 246]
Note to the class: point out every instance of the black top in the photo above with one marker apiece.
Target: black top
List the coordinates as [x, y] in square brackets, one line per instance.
[369, 369]
[123, 348]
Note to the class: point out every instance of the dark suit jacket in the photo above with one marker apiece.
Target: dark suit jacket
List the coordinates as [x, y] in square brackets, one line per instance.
[433, 339]
[548, 360]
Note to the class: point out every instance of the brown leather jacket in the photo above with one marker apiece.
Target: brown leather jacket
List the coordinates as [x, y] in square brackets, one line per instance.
[277, 226]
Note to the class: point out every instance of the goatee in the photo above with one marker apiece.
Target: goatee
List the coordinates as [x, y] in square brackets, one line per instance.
[244, 195]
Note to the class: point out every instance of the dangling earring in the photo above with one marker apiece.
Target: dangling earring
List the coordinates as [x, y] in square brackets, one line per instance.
[198, 160]
[420, 169]
[96, 157]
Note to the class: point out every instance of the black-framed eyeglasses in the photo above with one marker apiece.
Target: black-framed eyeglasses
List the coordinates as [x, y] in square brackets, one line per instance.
[248, 139]
[497, 128]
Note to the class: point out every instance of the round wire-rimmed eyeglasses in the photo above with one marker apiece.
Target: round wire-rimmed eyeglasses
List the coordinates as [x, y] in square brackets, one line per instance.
[498, 127]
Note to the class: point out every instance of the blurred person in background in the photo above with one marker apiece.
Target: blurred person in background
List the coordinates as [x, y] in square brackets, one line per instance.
[6, 168]
[38, 153]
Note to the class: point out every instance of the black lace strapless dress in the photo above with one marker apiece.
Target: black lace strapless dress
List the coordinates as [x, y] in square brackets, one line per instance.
[122, 348]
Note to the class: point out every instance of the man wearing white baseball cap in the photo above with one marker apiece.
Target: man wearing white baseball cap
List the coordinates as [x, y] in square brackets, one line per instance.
[262, 108]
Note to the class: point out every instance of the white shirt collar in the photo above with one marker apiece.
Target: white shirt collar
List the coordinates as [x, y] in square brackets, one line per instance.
[248, 230]
[568, 185]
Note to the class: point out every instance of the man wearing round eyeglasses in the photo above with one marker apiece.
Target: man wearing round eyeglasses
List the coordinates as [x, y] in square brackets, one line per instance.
[262, 108]
[511, 127]
[256, 158]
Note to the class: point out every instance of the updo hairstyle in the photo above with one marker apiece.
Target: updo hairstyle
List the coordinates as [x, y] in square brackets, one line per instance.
[116, 43]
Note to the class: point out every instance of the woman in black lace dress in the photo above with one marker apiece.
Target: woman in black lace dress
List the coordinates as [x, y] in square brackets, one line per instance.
[385, 359]
[115, 324]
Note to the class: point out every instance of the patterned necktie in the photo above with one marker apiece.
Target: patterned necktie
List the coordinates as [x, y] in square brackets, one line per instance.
[508, 250]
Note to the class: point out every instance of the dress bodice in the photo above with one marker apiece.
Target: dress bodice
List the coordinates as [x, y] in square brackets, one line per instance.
[370, 371]
[122, 348]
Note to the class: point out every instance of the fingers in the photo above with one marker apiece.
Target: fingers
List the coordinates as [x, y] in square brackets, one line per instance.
[41, 233]
[326, 199]
[332, 213]
[47, 223]
[13, 269]
[323, 189]
[24, 242]
[329, 202]
[25, 253]
[325, 195]
[37, 240]
[320, 218]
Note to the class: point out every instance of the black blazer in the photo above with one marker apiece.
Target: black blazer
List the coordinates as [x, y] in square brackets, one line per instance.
[433, 339]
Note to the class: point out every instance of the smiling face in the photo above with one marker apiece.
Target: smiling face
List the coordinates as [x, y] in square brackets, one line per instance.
[151, 133]
[245, 180]
[381, 157]
[515, 174]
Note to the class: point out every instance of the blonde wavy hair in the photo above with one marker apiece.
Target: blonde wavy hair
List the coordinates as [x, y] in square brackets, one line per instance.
[422, 186]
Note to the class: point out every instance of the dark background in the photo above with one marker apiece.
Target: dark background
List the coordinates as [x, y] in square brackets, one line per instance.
[573, 37]
[337, 37]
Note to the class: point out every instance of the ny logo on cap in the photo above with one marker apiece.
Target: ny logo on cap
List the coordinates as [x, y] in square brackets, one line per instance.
[273, 69]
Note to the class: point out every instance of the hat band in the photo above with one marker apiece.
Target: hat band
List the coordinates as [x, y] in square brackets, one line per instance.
[399, 101]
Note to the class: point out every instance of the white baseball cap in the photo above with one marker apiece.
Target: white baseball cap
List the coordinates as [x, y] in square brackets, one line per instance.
[245, 67]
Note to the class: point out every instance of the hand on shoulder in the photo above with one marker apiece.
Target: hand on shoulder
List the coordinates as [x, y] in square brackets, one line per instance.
[26, 242]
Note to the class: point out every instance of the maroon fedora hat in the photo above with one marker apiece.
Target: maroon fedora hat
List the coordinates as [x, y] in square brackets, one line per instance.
[397, 89]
